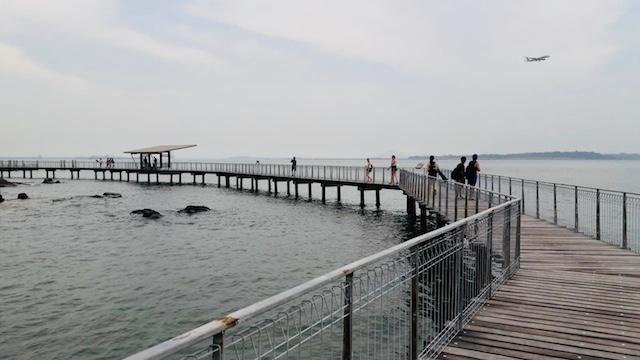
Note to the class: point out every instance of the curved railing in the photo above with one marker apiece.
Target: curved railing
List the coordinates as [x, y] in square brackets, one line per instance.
[405, 302]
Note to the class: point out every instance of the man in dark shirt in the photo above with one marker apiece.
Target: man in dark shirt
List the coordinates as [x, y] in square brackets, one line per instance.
[458, 175]
[294, 165]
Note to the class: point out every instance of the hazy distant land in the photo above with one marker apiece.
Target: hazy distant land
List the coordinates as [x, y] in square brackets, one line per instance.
[557, 155]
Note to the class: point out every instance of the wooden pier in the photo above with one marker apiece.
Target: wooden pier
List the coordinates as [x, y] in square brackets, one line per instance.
[269, 175]
[574, 297]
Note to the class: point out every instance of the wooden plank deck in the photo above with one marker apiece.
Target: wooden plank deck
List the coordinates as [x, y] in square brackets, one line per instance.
[573, 298]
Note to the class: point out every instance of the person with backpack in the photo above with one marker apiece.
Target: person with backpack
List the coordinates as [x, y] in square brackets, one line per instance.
[458, 175]
[472, 173]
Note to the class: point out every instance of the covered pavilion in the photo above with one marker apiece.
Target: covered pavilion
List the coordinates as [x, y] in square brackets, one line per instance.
[160, 150]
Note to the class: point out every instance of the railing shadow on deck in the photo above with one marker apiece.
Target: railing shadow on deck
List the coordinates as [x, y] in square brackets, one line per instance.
[406, 302]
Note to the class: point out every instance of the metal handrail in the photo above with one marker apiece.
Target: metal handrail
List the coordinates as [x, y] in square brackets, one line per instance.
[216, 328]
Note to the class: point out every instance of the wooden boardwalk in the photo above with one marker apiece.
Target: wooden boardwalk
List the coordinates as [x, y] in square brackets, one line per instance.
[573, 298]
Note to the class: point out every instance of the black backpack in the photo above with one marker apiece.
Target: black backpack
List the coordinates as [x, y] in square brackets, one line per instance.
[457, 173]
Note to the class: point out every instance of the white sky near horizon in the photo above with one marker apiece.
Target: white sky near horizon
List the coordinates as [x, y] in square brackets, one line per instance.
[318, 78]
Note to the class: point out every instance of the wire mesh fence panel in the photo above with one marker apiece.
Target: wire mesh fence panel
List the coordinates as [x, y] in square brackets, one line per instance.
[587, 211]
[633, 222]
[566, 206]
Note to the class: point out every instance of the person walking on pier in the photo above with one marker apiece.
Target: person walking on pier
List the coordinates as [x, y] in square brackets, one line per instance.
[368, 168]
[294, 166]
[458, 175]
[394, 170]
[155, 162]
[472, 173]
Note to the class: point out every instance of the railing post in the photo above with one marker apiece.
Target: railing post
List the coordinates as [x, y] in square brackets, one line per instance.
[510, 187]
[538, 199]
[624, 220]
[460, 279]
[499, 183]
[555, 204]
[347, 322]
[414, 306]
[598, 214]
[518, 231]
[466, 201]
[523, 209]
[489, 248]
[455, 202]
[576, 220]
[218, 343]
[506, 239]
[446, 201]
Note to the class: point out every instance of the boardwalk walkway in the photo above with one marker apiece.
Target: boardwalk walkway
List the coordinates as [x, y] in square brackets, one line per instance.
[573, 298]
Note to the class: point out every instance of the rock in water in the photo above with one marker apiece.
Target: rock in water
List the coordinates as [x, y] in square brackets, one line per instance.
[148, 213]
[23, 196]
[1, 199]
[192, 209]
[95, 196]
[4, 183]
[50, 181]
[112, 195]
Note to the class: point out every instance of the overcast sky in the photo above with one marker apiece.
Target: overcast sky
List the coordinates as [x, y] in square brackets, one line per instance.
[318, 78]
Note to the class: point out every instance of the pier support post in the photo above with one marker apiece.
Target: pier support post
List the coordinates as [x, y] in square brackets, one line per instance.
[378, 198]
[171, 179]
[194, 178]
[361, 198]
[71, 171]
[95, 175]
[157, 178]
[324, 191]
[288, 188]
[228, 179]
[423, 217]
[218, 180]
[203, 174]
[295, 188]
[275, 187]
[137, 177]
[111, 175]
[339, 192]
[128, 174]
[269, 186]
[180, 178]
[24, 174]
[309, 191]
[253, 187]
[30, 174]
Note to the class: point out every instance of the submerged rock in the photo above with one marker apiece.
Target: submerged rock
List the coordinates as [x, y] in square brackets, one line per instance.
[95, 196]
[5, 183]
[148, 213]
[192, 209]
[1, 199]
[23, 196]
[112, 195]
[50, 181]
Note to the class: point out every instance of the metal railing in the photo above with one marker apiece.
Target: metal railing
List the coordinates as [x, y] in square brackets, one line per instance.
[355, 174]
[607, 215]
[406, 302]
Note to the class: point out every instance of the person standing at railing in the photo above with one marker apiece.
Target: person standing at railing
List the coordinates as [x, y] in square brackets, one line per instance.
[155, 162]
[368, 168]
[472, 173]
[394, 170]
[433, 169]
[294, 166]
[458, 175]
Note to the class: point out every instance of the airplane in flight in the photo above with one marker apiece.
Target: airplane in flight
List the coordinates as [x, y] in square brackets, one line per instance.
[541, 58]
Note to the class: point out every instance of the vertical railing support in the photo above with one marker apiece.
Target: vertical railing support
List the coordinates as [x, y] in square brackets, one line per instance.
[624, 220]
[460, 279]
[218, 343]
[538, 199]
[518, 232]
[414, 306]
[598, 214]
[347, 322]
[506, 239]
[523, 209]
[575, 204]
[555, 204]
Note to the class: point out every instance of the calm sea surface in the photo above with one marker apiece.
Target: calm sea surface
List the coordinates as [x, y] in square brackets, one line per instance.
[81, 278]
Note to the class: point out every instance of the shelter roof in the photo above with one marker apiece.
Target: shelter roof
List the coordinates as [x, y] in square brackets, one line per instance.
[158, 149]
